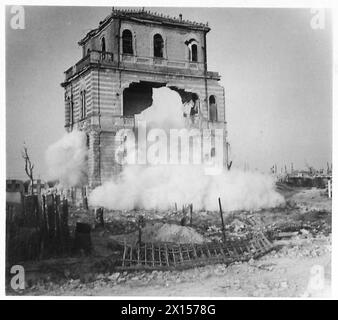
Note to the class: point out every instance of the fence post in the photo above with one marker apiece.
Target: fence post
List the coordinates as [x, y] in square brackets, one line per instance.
[51, 220]
[221, 213]
[329, 188]
[44, 225]
[64, 224]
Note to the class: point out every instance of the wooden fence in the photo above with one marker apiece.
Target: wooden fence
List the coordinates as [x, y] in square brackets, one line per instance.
[37, 229]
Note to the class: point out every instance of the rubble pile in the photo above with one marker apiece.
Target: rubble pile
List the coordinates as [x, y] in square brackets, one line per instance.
[163, 232]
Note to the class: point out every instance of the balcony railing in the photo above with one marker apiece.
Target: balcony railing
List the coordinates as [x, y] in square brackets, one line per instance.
[91, 57]
[161, 61]
[127, 122]
[139, 62]
[162, 64]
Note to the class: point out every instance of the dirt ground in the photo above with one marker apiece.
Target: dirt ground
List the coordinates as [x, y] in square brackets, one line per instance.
[279, 274]
[299, 265]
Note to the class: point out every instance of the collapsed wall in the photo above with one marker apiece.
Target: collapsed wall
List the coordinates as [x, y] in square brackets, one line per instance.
[112, 104]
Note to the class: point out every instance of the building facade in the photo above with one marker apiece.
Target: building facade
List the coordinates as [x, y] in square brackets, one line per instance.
[123, 59]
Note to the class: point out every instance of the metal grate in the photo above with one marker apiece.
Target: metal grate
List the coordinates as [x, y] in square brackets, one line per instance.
[155, 256]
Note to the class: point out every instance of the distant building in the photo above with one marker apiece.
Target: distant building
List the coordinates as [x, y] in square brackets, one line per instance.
[37, 187]
[15, 190]
[123, 59]
[13, 185]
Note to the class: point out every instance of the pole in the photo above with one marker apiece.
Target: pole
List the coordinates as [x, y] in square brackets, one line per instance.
[141, 224]
[221, 213]
[329, 188]
[190, 215]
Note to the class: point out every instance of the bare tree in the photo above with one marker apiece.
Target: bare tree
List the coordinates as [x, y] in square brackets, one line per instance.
[28, 166]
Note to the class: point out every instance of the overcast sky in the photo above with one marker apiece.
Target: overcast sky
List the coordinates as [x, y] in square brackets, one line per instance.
[275, 68]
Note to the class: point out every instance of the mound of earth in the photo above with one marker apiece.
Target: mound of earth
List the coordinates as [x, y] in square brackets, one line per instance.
[159, 232]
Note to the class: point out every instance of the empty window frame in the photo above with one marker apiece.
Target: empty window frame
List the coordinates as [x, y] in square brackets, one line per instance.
[83, 104]
[127, 42]
[212, 108]
[193, 55]
[158, 46]
[70, 109]
[103, 45]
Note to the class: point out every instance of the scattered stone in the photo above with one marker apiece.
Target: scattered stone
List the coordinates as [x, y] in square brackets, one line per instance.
[114, 276]
[120, 280]
[100, 276]
[75, 283]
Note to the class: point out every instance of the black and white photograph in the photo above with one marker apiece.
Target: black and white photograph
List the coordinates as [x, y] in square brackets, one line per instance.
[168, 151]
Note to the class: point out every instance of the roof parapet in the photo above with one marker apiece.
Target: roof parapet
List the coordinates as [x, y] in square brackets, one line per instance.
[146, 15]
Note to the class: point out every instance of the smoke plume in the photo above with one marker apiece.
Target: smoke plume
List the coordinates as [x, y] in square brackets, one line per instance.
[165, 112]
[67, 159]
[161, 186]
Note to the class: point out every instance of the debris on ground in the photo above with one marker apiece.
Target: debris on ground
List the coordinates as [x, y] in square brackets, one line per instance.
[300, 232]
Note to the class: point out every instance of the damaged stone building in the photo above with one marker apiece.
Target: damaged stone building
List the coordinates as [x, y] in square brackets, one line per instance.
[123, 59]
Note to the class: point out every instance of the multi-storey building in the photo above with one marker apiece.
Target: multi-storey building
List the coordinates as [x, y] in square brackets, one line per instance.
[123, 59]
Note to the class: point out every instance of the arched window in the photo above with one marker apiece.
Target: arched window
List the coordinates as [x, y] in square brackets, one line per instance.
[83, 104]
[212, 108]
[70, 109]
[103, 44]
[88, 51]
[127, 42]
[194, 52]
[158, 46]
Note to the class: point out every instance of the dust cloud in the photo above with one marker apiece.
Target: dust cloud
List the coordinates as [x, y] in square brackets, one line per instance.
[161, 186]
[67, 159]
